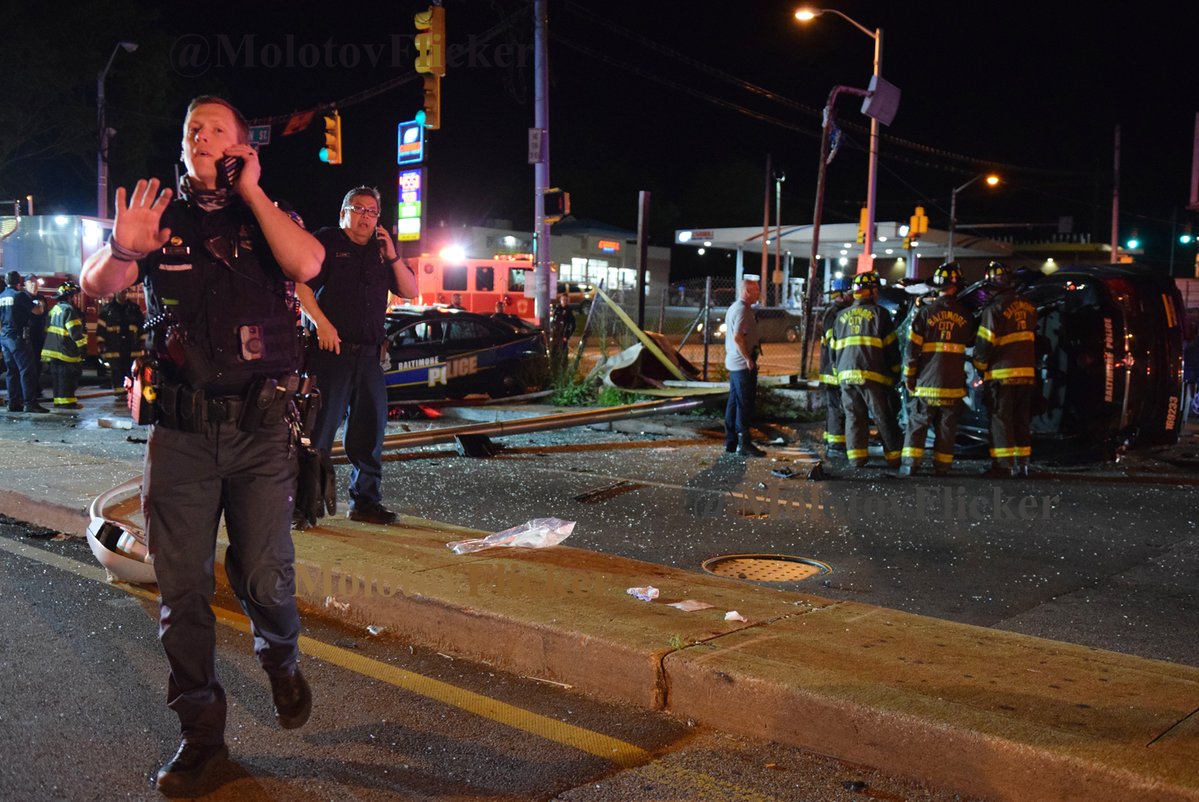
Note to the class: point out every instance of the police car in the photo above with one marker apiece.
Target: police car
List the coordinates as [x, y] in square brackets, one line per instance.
[439, 353]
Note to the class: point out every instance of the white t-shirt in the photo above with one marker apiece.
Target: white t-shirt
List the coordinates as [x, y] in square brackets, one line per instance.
[739, 318]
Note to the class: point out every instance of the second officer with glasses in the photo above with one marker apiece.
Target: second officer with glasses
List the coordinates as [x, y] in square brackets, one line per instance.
[346, 306]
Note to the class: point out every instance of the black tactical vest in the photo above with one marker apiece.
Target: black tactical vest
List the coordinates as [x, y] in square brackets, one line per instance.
[220, 310]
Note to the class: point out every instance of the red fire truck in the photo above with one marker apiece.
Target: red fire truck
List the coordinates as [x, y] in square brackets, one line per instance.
[476, 285]
[53, 248]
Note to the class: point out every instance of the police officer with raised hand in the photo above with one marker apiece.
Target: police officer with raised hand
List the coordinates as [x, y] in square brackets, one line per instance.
[347, 305]
[1005, 354]
[20, 362]
[217, 263]
[934, 372]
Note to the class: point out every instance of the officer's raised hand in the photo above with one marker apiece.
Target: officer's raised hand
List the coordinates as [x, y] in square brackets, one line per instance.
[136, 225]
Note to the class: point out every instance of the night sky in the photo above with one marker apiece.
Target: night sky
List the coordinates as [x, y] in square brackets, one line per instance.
[670, 100]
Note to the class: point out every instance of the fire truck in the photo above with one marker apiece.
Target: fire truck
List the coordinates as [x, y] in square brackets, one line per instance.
[477, 285]
[53, 248]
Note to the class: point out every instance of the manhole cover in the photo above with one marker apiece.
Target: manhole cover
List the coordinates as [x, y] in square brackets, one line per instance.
[766, 567]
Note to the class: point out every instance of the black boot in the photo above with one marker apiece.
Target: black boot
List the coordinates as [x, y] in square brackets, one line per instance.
[997, 471]
[184, 770]
[748, 449]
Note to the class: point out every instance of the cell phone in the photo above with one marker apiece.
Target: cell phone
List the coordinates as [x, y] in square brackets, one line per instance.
[227, 171]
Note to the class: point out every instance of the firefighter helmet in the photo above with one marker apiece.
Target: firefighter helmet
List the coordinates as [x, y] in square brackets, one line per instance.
[865, 282]
[840, 283]
[66, 290]
[999, 275]
[947, 275]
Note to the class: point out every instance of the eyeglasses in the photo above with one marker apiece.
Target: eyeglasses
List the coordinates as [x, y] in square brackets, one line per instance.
[363, 210]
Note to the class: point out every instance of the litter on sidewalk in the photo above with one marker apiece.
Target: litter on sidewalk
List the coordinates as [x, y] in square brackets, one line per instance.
[690, 605]
[535, 534]
[648, 593]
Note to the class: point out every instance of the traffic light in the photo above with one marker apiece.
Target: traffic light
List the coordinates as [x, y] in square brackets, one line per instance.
[430, 42]
[918, 224]
[863, 221]
[331, 152]
[1186, 237]
[432, 107]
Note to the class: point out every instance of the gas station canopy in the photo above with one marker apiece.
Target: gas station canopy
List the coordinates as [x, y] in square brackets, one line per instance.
[840, 240]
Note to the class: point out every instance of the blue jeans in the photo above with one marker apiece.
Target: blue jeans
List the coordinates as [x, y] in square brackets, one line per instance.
[353, 391]
[739, 412]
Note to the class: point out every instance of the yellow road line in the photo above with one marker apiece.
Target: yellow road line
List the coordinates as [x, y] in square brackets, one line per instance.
[621, 753]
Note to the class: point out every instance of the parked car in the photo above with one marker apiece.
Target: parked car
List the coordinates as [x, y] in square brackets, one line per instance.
[1109, 353]
[439, 353]
[775, 325]
[578, 295]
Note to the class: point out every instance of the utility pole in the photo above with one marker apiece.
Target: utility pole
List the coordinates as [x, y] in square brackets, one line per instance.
[542, 278]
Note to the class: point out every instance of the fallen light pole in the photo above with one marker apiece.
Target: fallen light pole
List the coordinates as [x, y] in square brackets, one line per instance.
[541, 423]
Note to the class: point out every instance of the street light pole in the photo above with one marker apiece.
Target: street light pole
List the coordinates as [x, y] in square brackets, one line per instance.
[992, 180]
[101, 115]
[865, 261]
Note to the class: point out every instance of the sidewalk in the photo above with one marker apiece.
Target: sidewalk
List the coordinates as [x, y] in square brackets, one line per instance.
[986, 712]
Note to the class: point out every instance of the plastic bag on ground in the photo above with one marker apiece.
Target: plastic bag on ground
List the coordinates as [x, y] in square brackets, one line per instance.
[647, 593]
[535, 534]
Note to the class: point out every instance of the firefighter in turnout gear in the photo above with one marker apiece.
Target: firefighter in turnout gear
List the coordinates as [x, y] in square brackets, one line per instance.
[834, 427]
[66, 346]
[119, 331]
[934, 372]
[1005, 356]
[865, 353]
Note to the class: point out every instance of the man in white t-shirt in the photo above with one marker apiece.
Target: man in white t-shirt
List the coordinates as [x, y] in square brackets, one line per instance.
[741, 361]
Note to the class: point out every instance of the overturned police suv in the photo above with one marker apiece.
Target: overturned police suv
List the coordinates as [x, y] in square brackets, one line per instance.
[439, 353]
[1109, 360]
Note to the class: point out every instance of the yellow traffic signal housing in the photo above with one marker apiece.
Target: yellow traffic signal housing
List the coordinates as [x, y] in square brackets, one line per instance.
[432, 106]
[331, 152]
[863, 221]
[919, 223]
[430, 42]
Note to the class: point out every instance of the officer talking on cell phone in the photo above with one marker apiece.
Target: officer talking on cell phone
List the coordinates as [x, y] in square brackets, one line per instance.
[346, 306]
[218, 264]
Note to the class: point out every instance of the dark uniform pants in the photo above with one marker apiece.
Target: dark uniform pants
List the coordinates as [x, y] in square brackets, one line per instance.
[1010, 406]
[739, 410]
[353, 391]
[862, 402]
[120, 366]
[20, 364]
[65, 379]
[189, 480]
[834, 423]
[944, 419]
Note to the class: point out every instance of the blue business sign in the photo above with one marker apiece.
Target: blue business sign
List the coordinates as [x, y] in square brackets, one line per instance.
[410, 148]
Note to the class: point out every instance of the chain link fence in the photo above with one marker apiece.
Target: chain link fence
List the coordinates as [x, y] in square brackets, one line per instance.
[691, 315]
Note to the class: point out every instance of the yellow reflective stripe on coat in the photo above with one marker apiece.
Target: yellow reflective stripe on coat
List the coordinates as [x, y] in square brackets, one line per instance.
[863, 376]
[1010, 373]
[986, 334]
[61, 357]
[1016, 337]
[828, 378]
[940, 392]
[860, 340]
[944, 348]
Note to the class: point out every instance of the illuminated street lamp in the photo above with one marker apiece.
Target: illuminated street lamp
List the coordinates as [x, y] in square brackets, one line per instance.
[807, 14]
[992, 180]
[102, 152]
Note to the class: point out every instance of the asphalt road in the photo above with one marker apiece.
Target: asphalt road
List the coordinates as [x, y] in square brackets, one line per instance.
[1105, 556]
[82, 685]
